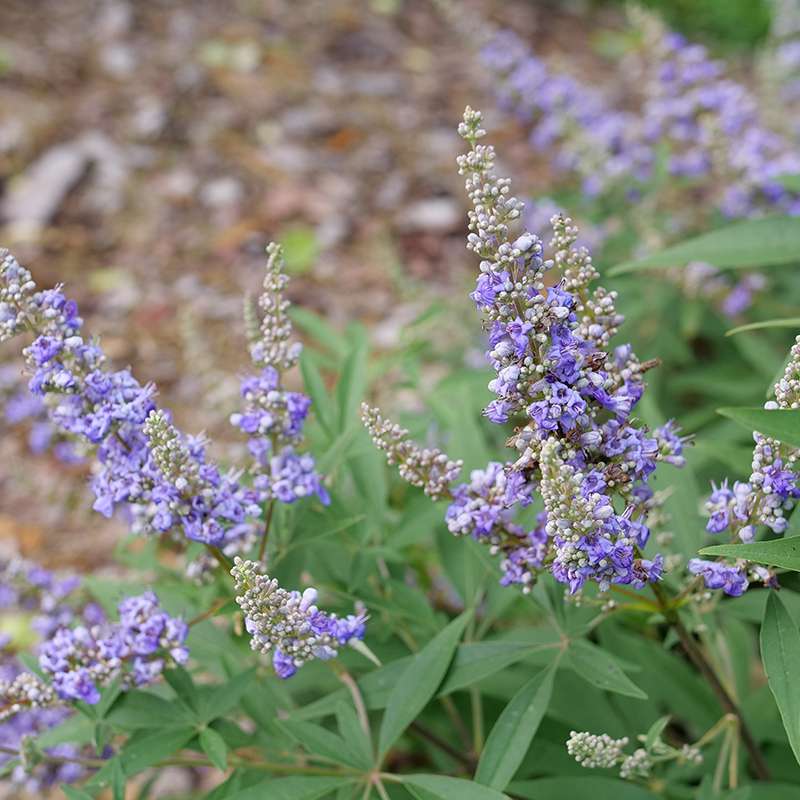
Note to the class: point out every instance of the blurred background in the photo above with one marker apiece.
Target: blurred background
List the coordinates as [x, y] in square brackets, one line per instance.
[149, 150]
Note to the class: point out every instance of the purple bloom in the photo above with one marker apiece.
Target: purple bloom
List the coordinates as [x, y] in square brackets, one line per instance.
[718, 575]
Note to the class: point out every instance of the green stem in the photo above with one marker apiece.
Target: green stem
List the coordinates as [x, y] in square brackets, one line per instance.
[698, 658]
[267, 522]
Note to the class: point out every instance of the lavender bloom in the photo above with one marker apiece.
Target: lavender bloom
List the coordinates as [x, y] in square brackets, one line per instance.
[273, 417]
[106, 411]
[570, 395]
[191, 492]
[81, 660]
[589, 136]
[714, 128]
[718, 575]
[289, 623]
[711, 125]
[772, 490]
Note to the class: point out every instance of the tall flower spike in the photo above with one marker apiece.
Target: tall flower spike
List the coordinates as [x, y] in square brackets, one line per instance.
[273, 417]
[576, 440]
[275, 348]
[429, 469]
[106, 411]
[289, 624]
[766, 499]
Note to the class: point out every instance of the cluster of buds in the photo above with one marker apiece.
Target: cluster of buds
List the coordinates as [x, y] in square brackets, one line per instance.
[429, 469]
[601, 751]
[287, 623]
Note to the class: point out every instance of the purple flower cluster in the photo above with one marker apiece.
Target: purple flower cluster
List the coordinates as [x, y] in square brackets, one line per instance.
[107, 411]
[22, 408]
[718, 575]
[49, 601]
[191, 492]
[571, 396]
[590, 137]
[713, 126]
[53, 600]
[31, 724]
[80, 660]
[710, 124]
[273, 417]
[766, 498]
[289, 623]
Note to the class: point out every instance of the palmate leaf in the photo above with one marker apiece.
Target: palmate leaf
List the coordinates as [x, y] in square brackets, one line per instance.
[769, 241]
[784, 553]
[514, 730]
[419, 682]
[780, 652]
[781, 424]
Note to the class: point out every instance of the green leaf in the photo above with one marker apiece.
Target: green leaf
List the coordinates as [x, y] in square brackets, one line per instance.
[300, 248]
[183, 686]
[352, 385]
[144, 749]
[787, 322]
[790, 182]
[475, 661]
[514, 730]
[781, 424]
[596, 787]
[293, 788]
[654, 734]
[356, 738]
[600, 669]
[117, 780]
[419, 682]
[215, 748]
[753, 243]
[320, 741]
[226, 697]
[138, 709]
[780, 652]
[783, 553]
[315, 386]
[444, 788]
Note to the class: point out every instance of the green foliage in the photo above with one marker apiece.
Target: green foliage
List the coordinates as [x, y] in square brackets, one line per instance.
[780, 651]
[731, 24]
[780, 424]
[767, 242]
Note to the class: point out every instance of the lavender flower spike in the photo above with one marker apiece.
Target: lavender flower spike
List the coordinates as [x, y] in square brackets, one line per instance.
[431, 470]
[766, 499]
[289, 623]
[273, 417]
[571, 396]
